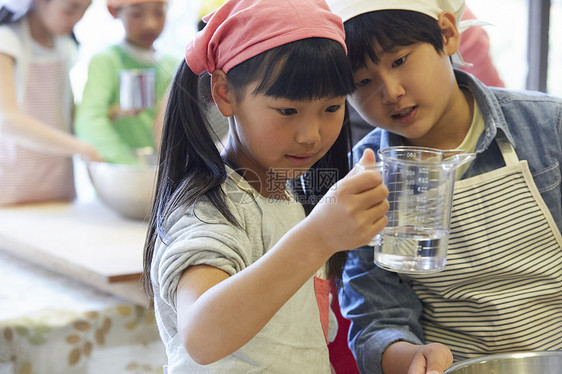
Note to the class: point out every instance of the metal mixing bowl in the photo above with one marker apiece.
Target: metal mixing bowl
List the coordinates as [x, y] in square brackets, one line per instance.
[544, 362]
[126, 189]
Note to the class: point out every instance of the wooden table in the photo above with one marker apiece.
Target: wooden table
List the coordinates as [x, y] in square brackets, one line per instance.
[84, 240]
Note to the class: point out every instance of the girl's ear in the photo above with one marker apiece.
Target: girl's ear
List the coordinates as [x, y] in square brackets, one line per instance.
[451, 35]
[112, 11]
[222, 95]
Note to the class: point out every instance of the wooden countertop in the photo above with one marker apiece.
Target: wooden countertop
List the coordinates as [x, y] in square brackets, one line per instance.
[84, 240]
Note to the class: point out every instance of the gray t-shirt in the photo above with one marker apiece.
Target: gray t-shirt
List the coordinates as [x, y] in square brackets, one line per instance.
[293, 340]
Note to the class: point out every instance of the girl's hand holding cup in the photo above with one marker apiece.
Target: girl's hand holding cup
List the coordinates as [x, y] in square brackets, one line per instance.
[353, 211]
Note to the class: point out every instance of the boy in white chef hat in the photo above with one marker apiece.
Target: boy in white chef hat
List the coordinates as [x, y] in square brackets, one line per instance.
[409, 90]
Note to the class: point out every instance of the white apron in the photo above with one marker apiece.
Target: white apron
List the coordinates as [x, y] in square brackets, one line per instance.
[502, 288]
[26, 175]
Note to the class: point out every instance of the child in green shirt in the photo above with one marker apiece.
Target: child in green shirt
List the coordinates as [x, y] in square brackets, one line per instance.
[99, 119]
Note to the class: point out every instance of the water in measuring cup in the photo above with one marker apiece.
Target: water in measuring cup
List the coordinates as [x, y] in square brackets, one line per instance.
[409, 250]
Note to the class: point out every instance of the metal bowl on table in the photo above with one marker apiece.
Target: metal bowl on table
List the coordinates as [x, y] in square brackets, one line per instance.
[126, 189]
[541, 362]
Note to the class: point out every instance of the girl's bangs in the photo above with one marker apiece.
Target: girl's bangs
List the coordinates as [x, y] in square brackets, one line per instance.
[307, 69]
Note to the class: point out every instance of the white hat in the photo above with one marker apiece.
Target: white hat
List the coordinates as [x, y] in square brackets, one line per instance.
[348, 9]
[17, 8]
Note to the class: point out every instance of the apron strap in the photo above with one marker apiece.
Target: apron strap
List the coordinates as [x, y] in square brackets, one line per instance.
[501, 288]
[507, 150]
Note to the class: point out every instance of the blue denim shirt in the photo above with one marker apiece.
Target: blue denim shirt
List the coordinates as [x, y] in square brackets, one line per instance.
[381, 306]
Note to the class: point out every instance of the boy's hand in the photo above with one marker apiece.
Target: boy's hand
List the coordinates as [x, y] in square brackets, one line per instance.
[402, 357]
[433, 358]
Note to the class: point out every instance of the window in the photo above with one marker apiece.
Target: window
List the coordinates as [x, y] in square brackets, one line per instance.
[554, 82]
[509, 36]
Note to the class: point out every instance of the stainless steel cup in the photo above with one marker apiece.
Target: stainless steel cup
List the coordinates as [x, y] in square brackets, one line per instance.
[137, 89]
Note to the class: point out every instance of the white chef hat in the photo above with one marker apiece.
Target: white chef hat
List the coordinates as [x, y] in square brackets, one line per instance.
[348, 9]
[12, 10]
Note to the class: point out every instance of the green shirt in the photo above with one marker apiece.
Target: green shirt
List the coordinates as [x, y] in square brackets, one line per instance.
[115, 139]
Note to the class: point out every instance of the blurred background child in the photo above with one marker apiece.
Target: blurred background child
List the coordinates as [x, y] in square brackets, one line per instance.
[116, 132]
[36, 102]
[36, 144]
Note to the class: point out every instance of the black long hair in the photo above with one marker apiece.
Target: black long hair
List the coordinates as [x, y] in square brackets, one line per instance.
[191, 167]
[389, 29]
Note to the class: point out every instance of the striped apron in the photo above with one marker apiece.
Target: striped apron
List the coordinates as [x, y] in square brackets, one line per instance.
[26, 175]
[502, 288]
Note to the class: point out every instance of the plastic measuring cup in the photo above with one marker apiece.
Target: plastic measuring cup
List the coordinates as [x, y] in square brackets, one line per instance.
[420, 182]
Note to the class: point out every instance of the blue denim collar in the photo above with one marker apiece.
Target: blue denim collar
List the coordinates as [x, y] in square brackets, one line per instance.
[489, 107]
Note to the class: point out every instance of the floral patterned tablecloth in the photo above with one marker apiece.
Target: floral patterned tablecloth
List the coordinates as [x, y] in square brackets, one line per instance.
[51, 324]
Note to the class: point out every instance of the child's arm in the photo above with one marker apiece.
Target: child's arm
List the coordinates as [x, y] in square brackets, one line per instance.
[29, 131]
[218, 314]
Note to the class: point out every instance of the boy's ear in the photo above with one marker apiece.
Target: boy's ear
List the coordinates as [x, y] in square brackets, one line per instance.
[451, 35]
[222, 96]
[112, 11]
